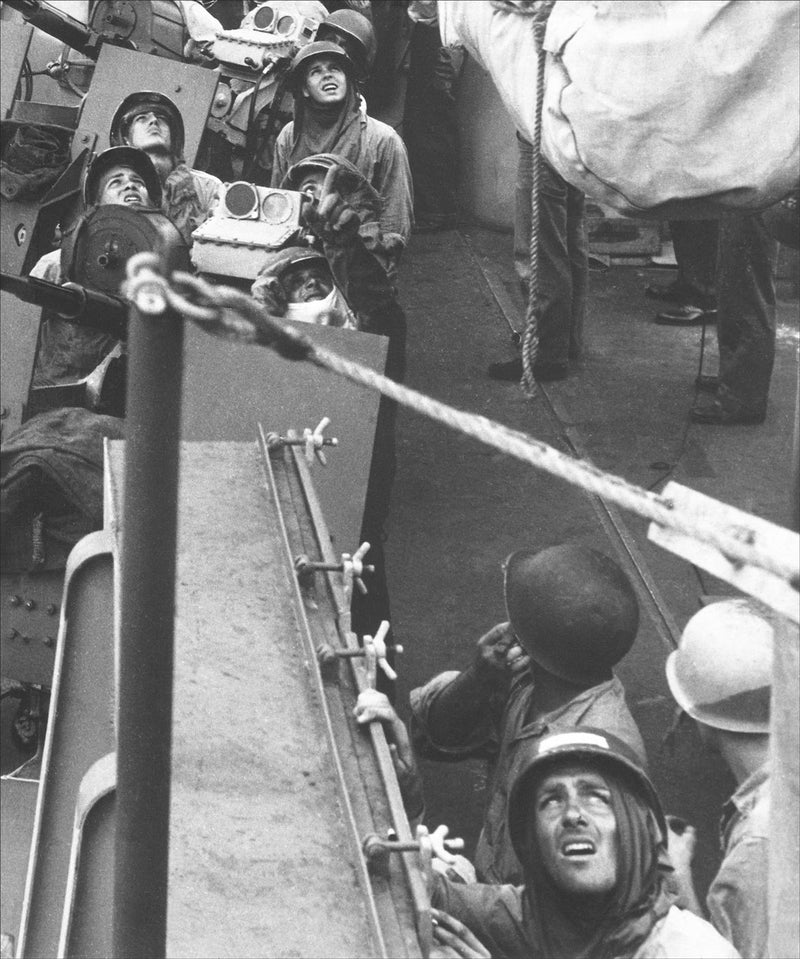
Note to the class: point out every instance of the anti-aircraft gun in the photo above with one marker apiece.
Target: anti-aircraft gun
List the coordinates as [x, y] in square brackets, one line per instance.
[251, 104]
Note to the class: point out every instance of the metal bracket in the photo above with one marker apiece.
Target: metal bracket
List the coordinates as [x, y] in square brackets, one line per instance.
[312, 440]
[352, 566]
[429, 846]
[373, 652]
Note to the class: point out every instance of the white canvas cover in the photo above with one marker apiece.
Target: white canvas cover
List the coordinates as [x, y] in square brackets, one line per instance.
[659, 108]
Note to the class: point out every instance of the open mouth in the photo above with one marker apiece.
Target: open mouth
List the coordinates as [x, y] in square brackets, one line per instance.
[330, 87]
[576, 848]
[132, 199]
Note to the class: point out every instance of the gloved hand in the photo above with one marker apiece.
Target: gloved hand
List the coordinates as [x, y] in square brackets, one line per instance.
[332, 219]
[268, 290]
[500, 650]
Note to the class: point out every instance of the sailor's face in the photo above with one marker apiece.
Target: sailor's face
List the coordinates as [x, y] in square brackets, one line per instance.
[312, 183]
[150, 130]
[576, 830]
[325, 82]
[121, 185]
[307, 283]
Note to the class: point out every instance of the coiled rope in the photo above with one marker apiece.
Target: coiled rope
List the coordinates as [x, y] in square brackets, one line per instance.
[226, 312]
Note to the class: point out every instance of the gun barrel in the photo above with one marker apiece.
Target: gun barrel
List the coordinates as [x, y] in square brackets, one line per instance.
[59, 25]
[71, 302]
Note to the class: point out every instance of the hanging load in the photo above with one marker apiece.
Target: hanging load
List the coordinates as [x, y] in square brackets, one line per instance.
[665, 110]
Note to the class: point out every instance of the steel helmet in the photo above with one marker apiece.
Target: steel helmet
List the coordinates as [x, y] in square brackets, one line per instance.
[318, 48]
[318, 161]
[137, 160]
[145, 100]
[293, 256]
[354, 33]
[595, 746]
[573, 609]
[721, 673]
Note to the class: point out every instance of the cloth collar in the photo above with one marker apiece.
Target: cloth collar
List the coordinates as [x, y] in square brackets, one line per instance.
[745, 797]
[585, 698]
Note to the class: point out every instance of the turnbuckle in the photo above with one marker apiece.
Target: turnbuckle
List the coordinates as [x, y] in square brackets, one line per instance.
[313, 441]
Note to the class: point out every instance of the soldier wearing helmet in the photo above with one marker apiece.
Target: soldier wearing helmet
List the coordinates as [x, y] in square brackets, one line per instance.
[721, 676]
[296, 282]
[353, 32]
[572, 616]
[587, 826]
[328, 123]
[327, 119]
[152, 122]
[66, 351]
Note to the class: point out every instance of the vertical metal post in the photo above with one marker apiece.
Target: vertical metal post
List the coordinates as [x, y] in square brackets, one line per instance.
[784, 827]
[147, 611]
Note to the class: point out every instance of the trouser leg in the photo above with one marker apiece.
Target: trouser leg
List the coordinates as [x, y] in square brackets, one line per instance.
[695, 243]
[555, 268]
[746, 318]
[578, 247]
[522, 209]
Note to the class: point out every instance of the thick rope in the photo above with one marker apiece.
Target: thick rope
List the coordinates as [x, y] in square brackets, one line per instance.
[530, 341]
[229, 313]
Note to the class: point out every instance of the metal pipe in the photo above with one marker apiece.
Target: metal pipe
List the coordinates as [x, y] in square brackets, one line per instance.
[147, 614]
[58, 24]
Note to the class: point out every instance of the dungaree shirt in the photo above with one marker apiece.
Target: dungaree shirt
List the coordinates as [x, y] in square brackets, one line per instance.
[498, 736]
[737, 899]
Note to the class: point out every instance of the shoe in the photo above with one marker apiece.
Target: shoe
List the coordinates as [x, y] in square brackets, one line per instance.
[715, 414]
[707, 383]
[510, 370]
[686, 315]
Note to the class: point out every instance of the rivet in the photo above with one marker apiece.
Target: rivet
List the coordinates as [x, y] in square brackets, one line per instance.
[48, 640]
[30, 604]
[12, 635]
[26, 639]
[14, 601]
[52, 609]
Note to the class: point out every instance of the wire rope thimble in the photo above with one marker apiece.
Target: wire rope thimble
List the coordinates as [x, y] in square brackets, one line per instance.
[314, 441]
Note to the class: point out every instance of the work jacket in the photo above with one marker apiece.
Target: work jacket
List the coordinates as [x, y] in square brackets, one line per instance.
[502, 731]
[737, 899]
[495, 915]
